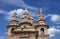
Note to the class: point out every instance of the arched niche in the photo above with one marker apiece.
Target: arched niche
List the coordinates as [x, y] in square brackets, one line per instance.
[12, 29]
[42, 31]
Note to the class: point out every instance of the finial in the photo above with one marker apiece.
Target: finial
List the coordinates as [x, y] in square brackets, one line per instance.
[40, 9]
[14, 12]
[41, 12]
[26, 10]
[30, 13]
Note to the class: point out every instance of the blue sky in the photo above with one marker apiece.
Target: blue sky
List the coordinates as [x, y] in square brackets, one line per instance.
[51, 11]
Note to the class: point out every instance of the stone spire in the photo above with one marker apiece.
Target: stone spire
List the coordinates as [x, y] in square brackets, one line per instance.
[41, 19]
[31, 18]
[26, 20]
[26, 11]
[41, 16]
[25, 16]
[40, 10]
[14, 20]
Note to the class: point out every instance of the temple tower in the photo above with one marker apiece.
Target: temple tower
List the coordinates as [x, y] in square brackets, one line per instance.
[27, 20]
[13, 24]
[27, 28]
[42, 27]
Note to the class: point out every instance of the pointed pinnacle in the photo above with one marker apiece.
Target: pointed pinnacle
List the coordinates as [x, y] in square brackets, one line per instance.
[26, 10]
[40, 10]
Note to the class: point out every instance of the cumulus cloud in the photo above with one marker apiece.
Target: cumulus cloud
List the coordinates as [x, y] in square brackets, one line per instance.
[10, 13]
[55, 18]
[53, 31]
[20, 12]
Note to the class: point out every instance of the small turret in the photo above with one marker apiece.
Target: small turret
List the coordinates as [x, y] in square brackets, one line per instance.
[14, 20]
[25, 17]
[31, 18]
[42, 27]
[27, 20]
[13, 23]
[41, 19]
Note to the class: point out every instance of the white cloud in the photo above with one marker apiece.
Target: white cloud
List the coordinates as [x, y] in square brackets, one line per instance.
[2, 11]
[55, 18]
[20, 12]
[10, 13]
[19, 3]
[52, 32]
[48, 15]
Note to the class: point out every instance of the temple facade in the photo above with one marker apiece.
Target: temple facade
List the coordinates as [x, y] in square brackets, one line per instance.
[27, 28]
